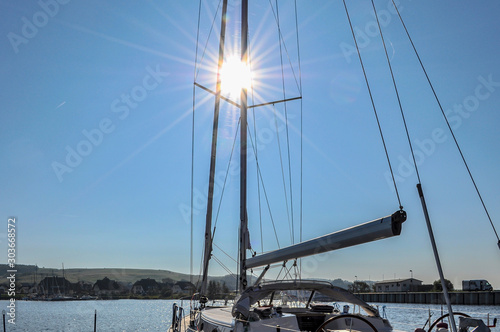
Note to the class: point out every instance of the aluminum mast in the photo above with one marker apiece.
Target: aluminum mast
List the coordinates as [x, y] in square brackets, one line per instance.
[208, 224]
[244, 241]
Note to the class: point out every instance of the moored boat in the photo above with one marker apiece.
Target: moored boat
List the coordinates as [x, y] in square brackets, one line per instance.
[293, 304]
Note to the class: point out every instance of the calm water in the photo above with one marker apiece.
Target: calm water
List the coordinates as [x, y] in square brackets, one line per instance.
[407, 317]
[155, 315]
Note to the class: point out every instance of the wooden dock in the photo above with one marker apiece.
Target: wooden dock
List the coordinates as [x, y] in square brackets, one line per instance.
[468, 298]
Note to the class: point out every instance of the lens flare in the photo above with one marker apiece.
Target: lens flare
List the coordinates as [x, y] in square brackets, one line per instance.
[235, 75]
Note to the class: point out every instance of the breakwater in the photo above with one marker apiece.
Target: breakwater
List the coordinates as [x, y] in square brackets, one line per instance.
[467, 298]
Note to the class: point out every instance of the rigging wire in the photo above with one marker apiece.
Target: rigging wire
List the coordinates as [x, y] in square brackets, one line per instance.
[200, 273]
[225, 253]
[287, 270]
[298, 48]
[225, 178]
[284, 46]
[301, 134]
[192, 145]
[281, 41]
[256, 151]
[419, 187]
[283, 266]
[197, 43]
[288, 273]
[397, 94]
[282, 170]
[373, 105]
[224, 267]
[258, 187]
[208, 37]
[448, 124]
[264, 189]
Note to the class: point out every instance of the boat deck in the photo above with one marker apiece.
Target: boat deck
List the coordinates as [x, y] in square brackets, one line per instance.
[219, 316]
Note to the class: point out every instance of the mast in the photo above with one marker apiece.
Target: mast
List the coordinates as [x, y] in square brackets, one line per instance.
[244, 242]
[208, 223]
[64, 278]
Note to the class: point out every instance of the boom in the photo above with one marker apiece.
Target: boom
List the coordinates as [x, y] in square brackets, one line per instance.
[373, 230]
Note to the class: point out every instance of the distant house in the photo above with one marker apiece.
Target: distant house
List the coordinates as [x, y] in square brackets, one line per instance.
[82, 287]
[125, 286]
[145, 286]
[137, 289]
[183, 287]
[27, 288]
[106, 286]
[398, 285]
[167, 284]
[54, 285]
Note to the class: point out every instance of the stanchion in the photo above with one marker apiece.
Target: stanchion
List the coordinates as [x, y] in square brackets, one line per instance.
[3, 314]
[95, 320]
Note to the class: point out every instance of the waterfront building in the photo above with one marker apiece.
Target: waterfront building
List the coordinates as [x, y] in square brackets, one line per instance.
[398, 285]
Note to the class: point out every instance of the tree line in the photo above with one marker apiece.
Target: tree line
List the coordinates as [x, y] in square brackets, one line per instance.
[217, 290]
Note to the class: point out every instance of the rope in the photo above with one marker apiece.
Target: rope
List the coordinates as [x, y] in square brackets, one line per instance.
[448, 124]
[373, 106]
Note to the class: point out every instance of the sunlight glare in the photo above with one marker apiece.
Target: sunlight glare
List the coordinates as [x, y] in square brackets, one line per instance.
[235, 75]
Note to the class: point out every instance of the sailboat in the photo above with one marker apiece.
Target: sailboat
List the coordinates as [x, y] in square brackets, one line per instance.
[274, 305]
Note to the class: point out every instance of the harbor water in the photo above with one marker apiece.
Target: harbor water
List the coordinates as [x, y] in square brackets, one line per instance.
[155, 315]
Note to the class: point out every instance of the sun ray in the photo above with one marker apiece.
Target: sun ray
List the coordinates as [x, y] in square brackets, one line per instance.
[235, 75]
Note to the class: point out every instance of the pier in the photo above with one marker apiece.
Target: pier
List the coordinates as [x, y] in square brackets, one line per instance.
[467, 298]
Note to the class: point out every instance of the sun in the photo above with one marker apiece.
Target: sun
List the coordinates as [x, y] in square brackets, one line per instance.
[235, 75]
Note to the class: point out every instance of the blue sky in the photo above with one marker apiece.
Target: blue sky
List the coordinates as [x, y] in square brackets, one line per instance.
[95, 134]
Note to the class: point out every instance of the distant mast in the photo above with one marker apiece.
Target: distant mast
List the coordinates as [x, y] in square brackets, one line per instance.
[64, 281]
